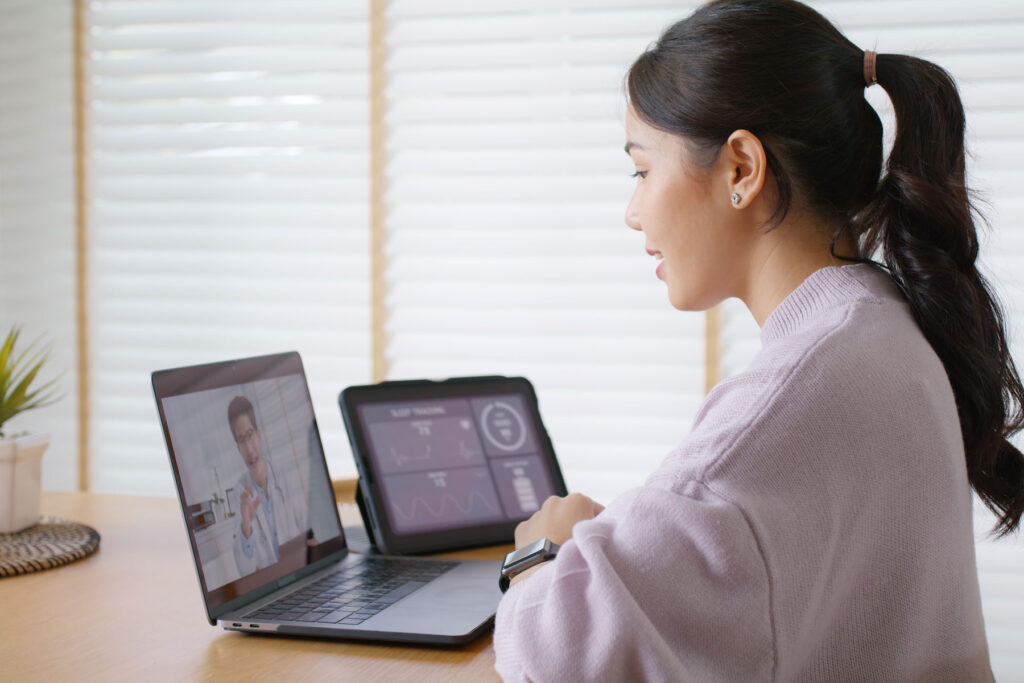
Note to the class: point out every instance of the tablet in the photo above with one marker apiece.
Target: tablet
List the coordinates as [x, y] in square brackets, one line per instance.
[448, 464]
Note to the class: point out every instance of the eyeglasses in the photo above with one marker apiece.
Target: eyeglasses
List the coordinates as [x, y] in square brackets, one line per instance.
[248, 437]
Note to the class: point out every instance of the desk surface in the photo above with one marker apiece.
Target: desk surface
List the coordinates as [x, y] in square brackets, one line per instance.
[133, 610]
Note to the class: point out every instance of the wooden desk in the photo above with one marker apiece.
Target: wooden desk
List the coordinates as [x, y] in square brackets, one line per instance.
[133, 611]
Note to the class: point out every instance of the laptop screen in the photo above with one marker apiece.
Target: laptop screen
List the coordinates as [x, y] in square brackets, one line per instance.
[250, 471]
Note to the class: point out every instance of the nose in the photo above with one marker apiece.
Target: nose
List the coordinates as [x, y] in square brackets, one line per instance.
[631, 217]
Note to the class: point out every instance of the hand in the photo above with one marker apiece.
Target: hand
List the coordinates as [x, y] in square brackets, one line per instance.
[556, 518]
[250, 503]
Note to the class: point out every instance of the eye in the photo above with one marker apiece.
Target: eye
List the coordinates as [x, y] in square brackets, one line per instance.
[639, 174]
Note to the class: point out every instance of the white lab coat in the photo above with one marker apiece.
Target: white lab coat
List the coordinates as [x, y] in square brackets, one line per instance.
[291, 517]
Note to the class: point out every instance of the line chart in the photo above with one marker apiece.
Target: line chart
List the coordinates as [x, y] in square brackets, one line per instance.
[420, 502]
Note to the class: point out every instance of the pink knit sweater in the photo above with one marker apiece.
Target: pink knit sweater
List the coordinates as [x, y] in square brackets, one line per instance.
[814, 526]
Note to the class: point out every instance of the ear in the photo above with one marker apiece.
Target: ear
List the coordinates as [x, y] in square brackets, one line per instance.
[746, 165]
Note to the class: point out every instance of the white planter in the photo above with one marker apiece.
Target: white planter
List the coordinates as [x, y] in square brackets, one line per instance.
[21, 481]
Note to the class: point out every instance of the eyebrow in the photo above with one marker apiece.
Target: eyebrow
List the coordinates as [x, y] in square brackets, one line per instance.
[630, 145]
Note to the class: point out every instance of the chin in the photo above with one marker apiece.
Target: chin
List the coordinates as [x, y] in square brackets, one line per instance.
[692, 302]
[682, 303]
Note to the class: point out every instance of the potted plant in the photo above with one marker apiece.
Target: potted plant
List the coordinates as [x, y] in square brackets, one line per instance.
[21, 455]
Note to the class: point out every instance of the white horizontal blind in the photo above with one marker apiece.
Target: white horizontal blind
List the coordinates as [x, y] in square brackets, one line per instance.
[228, 207]
[979, 43]
[507, 187]
[37, 217]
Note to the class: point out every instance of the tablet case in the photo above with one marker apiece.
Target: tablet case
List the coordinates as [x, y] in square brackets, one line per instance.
[364, 501]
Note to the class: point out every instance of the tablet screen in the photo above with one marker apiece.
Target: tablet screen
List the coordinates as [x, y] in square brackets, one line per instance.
[448, 463]
[456, 462]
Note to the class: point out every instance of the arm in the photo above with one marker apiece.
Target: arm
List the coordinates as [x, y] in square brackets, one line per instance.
[245, 544]
[250, 505]
[660, 585]
[243, 548]
[554, 521]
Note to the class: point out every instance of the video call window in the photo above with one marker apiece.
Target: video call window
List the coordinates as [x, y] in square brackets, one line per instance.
[257, 496]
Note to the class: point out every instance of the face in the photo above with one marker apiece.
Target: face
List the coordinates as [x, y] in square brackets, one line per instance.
[250, 445]
[683, 209]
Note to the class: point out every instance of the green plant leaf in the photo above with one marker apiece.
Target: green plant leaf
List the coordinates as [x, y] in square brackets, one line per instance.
[46, 393]
[26, 360]
[5, 353]
[44, 396]
[15, 402]
[21, 388]
[18, 373]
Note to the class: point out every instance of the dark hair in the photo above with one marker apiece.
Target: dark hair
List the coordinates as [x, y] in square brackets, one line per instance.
[780, 70]
[239, 406]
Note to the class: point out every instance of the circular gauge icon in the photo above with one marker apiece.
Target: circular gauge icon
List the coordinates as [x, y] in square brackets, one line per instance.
[503, 426]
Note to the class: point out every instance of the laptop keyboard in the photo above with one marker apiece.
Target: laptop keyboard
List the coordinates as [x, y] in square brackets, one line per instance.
[353, 594]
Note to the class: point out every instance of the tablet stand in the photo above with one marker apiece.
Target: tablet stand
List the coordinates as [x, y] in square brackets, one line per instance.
[365, 515]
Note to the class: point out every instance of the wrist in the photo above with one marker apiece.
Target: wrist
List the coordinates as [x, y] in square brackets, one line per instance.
[525, 559]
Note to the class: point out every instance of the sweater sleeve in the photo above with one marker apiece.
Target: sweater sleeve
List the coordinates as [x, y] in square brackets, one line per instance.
[662, 585]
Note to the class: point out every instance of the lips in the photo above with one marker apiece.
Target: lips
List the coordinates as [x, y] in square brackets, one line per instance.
[660, 257]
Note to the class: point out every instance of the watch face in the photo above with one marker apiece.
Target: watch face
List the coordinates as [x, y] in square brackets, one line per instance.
[517, 556]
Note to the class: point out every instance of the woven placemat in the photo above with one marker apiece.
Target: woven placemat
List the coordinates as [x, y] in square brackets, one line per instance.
[52, 542]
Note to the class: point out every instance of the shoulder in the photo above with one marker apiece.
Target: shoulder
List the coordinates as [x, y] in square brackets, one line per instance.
[834, 372]
[865, 345]
[244, 480]
[857, 337]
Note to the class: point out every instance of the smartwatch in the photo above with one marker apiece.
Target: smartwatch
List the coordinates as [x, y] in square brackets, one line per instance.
[518, 561]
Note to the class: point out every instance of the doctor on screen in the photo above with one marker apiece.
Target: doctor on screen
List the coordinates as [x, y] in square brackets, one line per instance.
[272, 509]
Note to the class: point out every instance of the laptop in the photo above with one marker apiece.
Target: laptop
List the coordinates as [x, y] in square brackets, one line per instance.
[262, 521]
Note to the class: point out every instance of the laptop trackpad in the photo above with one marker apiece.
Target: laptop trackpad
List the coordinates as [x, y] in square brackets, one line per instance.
[446, 607]
[452, 594]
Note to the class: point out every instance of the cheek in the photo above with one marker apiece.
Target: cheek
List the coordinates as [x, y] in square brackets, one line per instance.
[697, 256]
[685, 223]
[659, 209]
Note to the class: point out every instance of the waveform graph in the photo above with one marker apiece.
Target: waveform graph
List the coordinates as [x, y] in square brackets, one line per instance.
[441, 499]
[425, 444]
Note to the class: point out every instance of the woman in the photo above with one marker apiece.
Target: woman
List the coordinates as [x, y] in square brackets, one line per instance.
[816, 523]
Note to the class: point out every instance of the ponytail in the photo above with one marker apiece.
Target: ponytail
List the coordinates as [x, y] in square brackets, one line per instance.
[921, 220]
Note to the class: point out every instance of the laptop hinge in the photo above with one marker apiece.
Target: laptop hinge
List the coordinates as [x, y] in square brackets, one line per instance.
[290, 579]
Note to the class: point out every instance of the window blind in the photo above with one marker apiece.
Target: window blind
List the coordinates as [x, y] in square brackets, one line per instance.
[979, 44]
[37, 219]
[228, 207]
[507, 248]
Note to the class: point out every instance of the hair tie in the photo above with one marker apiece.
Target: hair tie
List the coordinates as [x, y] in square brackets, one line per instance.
[870, 74]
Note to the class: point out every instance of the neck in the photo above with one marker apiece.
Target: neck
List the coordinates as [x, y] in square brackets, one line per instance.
[786, 256]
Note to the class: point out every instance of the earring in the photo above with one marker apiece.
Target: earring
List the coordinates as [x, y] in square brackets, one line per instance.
[736, 199]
